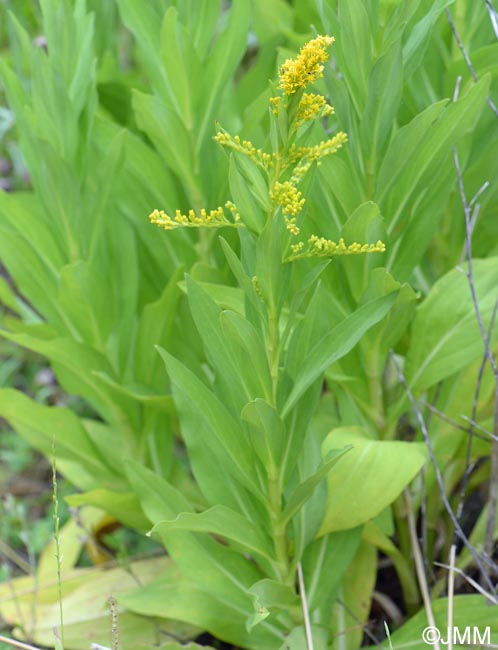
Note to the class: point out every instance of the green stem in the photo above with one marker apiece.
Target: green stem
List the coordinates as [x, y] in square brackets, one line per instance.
[278, 530]
[273, 352]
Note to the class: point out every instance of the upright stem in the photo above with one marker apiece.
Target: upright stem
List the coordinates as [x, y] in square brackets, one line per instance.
[274, 486]
[273, 336]
[278, 530]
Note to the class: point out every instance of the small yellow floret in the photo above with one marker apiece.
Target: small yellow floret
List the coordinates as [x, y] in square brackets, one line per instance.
[306, 67]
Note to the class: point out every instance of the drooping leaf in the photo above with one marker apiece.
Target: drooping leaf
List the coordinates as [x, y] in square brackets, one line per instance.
[368, 478]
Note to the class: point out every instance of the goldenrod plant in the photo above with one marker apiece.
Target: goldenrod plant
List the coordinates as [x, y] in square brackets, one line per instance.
[251, 553]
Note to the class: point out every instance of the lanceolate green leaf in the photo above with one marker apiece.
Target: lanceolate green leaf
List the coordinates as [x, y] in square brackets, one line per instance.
[43, 427]
[445, 333]
[304, 491]
[220, 520]
[338, 343]
[223, 429]
[217, 570]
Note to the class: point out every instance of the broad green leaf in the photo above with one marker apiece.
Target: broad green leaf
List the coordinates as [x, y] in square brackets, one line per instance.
[385, 85]
[170, 137]
[337, 343]
[243, 279]
[406, 141]
[223, 429]
[297, 639]
[335, 549]
[222, 63]
[383, 336]
[226, 297]
[220, 520]
[155, 328]
[178, 598]
[42, 426]
[181, 66]
[470, 612]
[427, 142]
[85, 595]
[248, 350]
[200, 18]
[352, 607]
[368, 478]
[123, 506]
[418, 41]
[375, 536]
[85, 298]
[267, 433]
[75, 365]
[252, 214]
[445, 333]
[304, 491]
[355, 33]
[268, 594]
[365, 225]
[217, 570]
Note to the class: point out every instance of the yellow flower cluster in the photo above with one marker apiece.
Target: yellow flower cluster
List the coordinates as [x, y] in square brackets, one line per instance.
[230, 205]
[321, 247]
[213, 219]
[291, 225]
[245, 147]
[275, 103]
[312, 106]
[308, 155]
[288, 197]
[306, 67]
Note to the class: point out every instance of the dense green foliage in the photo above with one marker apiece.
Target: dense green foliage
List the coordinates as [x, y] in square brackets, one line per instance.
[243, 400]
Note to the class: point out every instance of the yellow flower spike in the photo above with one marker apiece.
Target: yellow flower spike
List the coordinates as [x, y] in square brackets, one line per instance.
[321, 247]
[245, 147]
[203, 219]
[307, 67]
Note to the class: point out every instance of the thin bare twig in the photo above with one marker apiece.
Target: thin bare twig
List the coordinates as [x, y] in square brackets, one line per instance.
[493, 16]
[361, 625]
[17, 644]
[467, 59]
[304, 604]
[15, 558]
[390, 607]
[451, 591]
[419, 565]
[493, 479]
[473, 420]
[479, 431]
[423, 498]
[471, 582]
[480, 562]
